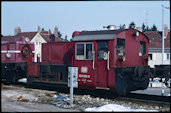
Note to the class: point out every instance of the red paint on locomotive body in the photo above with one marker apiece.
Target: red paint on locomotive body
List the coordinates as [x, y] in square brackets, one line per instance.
[113, 59]
[132, 46]
[103, 73]
[14, 57]
[59, 53]
[13, 51]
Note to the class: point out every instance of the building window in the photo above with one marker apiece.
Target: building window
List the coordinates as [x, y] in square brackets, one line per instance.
[142, 48]
[84, 51]
[168, 56]
[150, 57]
[120, 47]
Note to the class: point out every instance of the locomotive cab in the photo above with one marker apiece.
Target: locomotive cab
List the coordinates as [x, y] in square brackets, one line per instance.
[14, 56]
[112, 59]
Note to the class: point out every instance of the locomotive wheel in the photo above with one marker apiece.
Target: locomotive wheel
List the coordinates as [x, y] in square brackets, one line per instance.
[26, 51]
[145, 83]
[166, 82]
[142, 73]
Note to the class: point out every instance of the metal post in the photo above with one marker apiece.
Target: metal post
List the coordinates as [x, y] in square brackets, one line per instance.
[162, 34]
[71, 89]
[72, 81]
[163, 43]
[162, 92]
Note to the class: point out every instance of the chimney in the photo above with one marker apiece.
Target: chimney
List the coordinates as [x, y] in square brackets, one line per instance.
[165, 30]
[56, 31]
[17, 30]
[139, 29]
[65, 37]
[38, 30]
[49, 32]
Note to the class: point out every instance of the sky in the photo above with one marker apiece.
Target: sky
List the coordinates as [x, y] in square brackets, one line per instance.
[70, 16]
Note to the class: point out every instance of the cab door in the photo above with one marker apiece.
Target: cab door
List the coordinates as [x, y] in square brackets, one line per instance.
[85, 61]
[102, 64]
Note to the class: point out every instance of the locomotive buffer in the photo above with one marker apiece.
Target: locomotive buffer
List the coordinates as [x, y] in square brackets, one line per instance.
[72, 81]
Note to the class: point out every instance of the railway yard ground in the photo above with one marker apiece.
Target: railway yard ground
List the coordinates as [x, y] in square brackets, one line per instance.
[18, 98]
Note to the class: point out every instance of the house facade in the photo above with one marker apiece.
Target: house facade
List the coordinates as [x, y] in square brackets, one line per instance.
[155, 48]
[37, 38]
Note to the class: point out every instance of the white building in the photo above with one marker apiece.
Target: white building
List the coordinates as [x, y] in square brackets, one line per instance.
[155, 48]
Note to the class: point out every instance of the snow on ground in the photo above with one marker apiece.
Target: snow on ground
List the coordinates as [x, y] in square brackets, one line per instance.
[156, 83]
[114, 107]
[23, 80]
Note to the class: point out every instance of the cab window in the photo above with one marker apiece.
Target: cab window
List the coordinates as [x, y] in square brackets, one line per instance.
[142, 48]
[120, 47]
[84, 51]
[102, 50]
[80, 49]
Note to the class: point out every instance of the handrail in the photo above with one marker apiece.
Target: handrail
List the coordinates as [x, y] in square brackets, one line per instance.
[108, 60]
[93, 60]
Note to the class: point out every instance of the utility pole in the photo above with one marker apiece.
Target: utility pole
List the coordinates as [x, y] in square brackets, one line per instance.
[162, 93]
[146, 19]
[163, 32]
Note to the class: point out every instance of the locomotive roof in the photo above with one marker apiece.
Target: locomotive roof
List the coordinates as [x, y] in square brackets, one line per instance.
[97, 35]
[101, 32]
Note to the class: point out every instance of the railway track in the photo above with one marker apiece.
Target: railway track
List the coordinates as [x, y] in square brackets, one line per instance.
[141, 99]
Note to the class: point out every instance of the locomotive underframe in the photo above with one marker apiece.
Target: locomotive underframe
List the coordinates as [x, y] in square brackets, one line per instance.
[127, 80]
[162, 72]
[12, 72]
[52, 74]
[58, 75]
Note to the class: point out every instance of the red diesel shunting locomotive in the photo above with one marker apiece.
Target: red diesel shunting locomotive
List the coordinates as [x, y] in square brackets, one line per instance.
[109, 59]
[14, 57]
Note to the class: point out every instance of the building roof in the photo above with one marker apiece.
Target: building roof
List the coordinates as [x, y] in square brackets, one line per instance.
[167, 40]
[48, 38]
[155, 38]
[8, 38]
[30, 35]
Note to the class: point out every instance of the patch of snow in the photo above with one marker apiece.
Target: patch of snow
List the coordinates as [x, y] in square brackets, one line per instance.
[113, 107]
[23, 80]
[156, 84]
